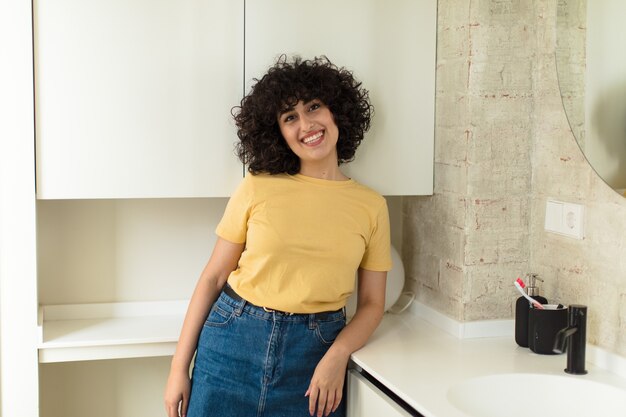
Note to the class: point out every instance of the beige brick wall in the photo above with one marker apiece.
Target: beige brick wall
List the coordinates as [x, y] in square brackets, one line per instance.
[503, 146]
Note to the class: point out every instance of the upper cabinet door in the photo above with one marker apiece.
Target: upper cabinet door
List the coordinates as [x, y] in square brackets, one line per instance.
[390, 46]
[133, 98]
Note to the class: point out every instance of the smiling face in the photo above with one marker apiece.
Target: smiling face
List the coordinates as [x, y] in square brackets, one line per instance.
[311, 133]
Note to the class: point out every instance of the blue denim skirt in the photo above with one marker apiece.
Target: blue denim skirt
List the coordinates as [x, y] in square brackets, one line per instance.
[256, 363]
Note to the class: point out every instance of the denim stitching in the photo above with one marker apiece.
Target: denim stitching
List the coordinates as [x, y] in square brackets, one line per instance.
[268, 366]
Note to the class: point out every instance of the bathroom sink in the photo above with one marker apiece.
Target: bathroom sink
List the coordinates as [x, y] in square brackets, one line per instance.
[518, 394]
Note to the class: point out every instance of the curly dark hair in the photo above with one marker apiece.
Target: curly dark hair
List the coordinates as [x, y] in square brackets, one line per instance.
[261, 145]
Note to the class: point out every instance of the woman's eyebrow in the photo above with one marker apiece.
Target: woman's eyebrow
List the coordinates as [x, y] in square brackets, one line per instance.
[290, 108]
[286, 110]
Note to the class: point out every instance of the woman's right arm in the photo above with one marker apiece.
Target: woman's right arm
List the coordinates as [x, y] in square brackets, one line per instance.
[223, 261]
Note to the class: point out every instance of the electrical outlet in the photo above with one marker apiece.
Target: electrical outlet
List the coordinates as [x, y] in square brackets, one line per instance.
[565, 218]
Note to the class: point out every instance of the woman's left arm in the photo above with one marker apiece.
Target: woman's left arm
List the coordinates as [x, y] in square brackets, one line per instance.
[326, 389]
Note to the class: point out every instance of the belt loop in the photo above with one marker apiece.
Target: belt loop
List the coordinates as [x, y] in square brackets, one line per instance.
[239, 309]
[240, 303]
[312, 322]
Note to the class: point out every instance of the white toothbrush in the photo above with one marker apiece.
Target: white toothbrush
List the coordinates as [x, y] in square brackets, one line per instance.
[519, 284]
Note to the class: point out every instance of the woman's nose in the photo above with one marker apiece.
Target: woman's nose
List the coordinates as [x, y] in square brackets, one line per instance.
[305, 122]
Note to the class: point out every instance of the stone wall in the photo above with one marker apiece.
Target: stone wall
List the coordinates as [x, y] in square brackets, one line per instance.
[590, 271]
[502, 147]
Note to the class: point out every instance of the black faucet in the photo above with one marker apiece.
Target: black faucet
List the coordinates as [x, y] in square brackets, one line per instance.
[576, 334]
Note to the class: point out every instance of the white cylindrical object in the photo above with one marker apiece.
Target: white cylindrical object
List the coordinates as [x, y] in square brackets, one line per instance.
[395, 284]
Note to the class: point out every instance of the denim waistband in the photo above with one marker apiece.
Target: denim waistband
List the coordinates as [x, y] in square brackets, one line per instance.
[263, 311]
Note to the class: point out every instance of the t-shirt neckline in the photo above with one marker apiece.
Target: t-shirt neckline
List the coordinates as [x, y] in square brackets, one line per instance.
[323, 182]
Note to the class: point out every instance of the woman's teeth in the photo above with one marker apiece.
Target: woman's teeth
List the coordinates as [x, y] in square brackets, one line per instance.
[313, 138]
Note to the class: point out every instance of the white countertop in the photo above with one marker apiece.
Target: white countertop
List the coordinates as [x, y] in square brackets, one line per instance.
[420, 363]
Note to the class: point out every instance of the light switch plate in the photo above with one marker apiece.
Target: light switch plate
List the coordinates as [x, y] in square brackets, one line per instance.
[565, 218]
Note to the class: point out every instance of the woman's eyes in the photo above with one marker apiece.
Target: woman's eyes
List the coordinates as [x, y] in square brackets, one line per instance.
[291, 117]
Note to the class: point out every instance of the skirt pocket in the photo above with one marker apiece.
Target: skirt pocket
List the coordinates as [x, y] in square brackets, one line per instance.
[327, 331]
[220, 315]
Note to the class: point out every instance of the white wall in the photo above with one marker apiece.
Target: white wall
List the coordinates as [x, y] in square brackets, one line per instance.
[123, 250]
[107, 388]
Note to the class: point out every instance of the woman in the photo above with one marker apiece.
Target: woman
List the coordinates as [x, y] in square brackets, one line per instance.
[267, 317]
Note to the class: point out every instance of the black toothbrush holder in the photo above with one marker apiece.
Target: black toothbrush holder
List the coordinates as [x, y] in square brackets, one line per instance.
[543, 326]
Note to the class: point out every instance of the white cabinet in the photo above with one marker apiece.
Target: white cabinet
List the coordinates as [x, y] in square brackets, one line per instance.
[132, 108]
[390, 46]
[133, 98]
[18, 266]
[365, 400]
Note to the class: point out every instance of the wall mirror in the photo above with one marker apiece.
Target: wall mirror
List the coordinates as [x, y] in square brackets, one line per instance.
[591, 68]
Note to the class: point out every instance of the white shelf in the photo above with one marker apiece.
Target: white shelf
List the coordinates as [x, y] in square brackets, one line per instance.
[109, 330]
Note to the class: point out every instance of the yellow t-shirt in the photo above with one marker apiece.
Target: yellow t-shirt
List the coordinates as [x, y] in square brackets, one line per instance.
[305, 238]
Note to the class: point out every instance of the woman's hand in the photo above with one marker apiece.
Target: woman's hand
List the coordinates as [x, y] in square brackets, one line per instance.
[177, 394]
[326, 388]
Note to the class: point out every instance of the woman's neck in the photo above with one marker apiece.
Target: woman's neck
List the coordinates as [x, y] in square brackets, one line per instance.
[332, 173]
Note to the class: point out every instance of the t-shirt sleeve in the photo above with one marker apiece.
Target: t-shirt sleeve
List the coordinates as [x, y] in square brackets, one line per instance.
[234, 223]
[377, 256]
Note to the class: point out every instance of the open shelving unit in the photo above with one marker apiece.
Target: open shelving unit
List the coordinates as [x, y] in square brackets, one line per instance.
[79, 332]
